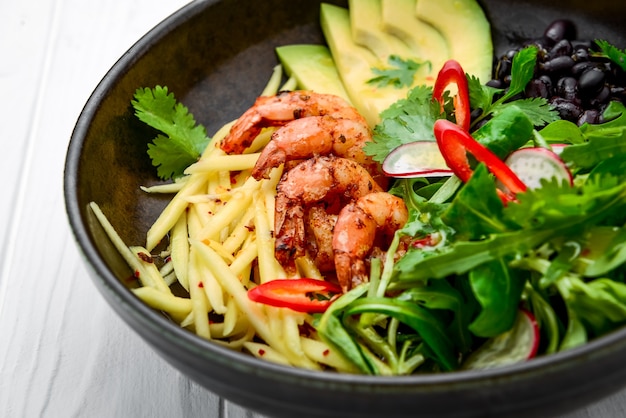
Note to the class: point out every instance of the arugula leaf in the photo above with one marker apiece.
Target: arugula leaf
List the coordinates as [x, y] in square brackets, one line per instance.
[618, 56]
[401, 73]
[183, 140]
[462, 256]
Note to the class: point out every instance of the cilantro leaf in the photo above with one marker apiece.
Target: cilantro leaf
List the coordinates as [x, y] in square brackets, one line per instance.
[618, 56]
[522, 71]
[481, 95]
[537, 109]
[400, 74]
[407, 120]
[182, 140]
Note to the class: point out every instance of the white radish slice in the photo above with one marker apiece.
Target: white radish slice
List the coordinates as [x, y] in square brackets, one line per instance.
[518, 344]
[416, 159]
[535, 164]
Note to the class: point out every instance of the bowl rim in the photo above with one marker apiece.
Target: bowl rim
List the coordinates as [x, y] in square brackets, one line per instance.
[107, 282]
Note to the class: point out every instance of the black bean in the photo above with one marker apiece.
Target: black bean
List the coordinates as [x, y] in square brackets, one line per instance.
[603, 96]
[504, 68]
[537, 88]
[560, 29]
[618, 92]
[498, 84]
[566, 108]
[591, 116]
[511, 53]
[547, 80]
[581, 43]
[563, 47]
[580, 67]
[557, 65]
[580, 55]
[591, 82]
[567, 88]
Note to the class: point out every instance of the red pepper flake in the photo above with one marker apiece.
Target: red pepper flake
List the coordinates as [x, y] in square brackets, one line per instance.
[147, 258]
[326, 352]
[136, 274]
[200, 285]
[261, 352]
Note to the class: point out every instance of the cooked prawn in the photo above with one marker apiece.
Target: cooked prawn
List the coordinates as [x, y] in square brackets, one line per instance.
[323, 179]
[321, 135]
[319, 223]
[358, 225]
[280, 109]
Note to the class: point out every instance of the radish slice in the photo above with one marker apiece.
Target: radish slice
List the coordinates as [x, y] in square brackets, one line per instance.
[518, 344]
[416, 159]
[535, 164]
[558, 148]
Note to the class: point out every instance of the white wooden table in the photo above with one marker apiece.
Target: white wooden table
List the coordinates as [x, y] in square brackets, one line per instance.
[63, 351]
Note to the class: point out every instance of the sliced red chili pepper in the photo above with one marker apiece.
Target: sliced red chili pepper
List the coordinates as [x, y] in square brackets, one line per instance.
[452, 73]
[454, 143]
[302, 295]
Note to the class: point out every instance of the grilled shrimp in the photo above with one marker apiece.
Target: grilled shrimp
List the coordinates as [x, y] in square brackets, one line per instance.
[321, 135]
[281, 109]
[310, 124]
[359, 224]
[323, 179]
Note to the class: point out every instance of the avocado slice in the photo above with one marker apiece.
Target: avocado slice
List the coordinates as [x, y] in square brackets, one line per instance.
[354, 64]
[466, 29]
[399, 19]
[366, 26]
[313, 68]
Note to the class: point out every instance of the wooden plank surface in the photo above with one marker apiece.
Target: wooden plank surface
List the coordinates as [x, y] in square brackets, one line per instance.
[63, 352]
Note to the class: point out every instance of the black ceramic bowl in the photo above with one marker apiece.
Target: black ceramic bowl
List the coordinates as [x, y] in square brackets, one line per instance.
[216, 56]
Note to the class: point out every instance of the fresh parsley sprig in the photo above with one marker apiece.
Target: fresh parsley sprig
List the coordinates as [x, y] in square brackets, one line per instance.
[182, 139]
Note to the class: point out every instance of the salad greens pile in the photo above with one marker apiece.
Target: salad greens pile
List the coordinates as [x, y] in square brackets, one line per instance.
[471, 262]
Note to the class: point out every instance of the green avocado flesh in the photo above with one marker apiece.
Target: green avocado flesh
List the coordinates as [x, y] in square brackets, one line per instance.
[466, 29]
[313, 68]
[365, 36]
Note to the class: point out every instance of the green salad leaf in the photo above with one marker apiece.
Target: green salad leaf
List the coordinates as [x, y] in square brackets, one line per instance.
[182, 140]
